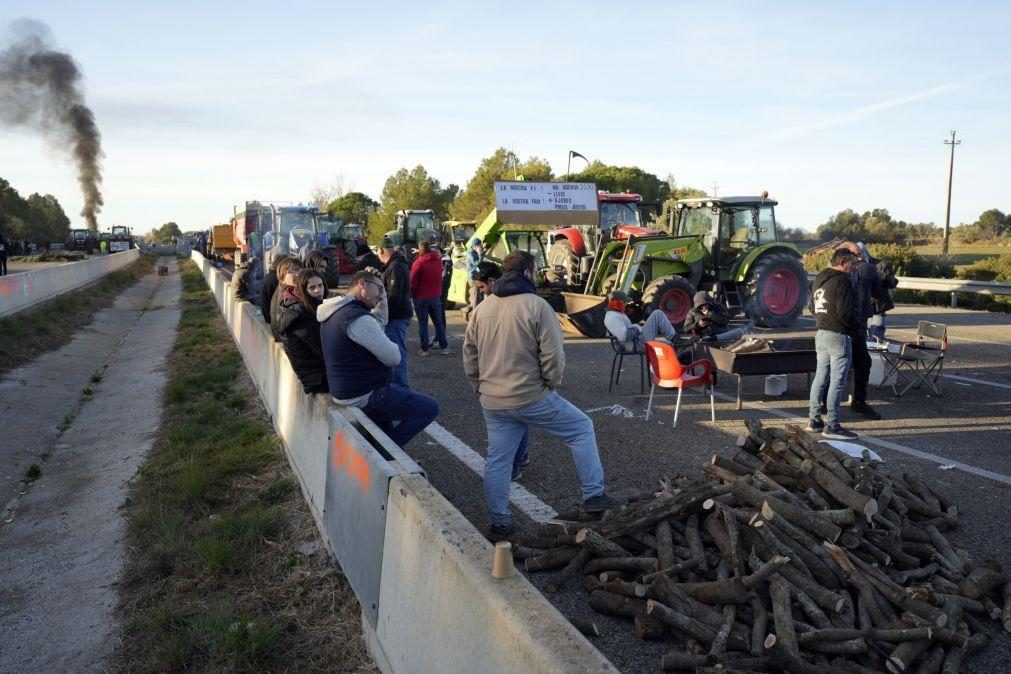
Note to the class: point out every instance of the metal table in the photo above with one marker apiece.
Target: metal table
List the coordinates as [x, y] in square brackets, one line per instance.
[778, 356]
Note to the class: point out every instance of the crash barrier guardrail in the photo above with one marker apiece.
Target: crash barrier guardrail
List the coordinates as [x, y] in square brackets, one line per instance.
[420, 570]
[24, 289]
[948, 285]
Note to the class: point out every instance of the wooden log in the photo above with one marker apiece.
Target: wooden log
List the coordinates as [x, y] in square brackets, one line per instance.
[714, 526]
[747, 459]
[664, 545]
[852, 647]
[981, 581]
[648, 627]
[587, 627]
[624, 588]
[542, 542]
[825, 598]
[608, 576]
[697, 630]
[931, 662]
[811, 609]
[602, 601]
[847, 634]
[773, 507]
[944, 548]
[788, 661]
[759, 626]
[782, 615]
[600, 546]
[720, 473]
[634, 564]
[816, 500]
[778, 546]
[678, 661]
[734, 538]
[901, 659]
[747, 444]
[839, 490]
[953, 660]
[591, 583]
[650, 513]
[920, 573]
[719, 644]
[695, 541]
[574, 566]
[522, 552]
[828, 457]
[552, 559]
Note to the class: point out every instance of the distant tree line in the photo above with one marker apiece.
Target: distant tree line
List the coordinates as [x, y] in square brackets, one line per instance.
[39, 218]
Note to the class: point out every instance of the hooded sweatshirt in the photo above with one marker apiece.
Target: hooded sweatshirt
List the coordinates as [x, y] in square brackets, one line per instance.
[357, 353]
[512, 351]
[832, 302]
[426, 276]
[717, 318]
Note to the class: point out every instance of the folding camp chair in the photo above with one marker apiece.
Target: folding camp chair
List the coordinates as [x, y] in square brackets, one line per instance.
[622, 349]
[922, 361]
[668, 372]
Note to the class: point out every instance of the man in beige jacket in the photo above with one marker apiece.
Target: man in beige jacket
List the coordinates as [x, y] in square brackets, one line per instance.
[514, 359]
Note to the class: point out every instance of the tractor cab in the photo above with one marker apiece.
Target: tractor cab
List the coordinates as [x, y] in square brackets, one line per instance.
[413, 226]
[729, 228]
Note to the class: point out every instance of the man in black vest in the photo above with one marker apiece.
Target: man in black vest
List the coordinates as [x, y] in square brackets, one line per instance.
[360, 358]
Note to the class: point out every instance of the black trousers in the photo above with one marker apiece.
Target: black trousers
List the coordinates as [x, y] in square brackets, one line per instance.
[861, 364]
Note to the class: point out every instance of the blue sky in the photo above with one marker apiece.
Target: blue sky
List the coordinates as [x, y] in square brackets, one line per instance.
[831, 106]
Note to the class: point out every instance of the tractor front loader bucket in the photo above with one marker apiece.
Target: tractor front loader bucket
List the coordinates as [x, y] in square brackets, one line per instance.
[582, 314]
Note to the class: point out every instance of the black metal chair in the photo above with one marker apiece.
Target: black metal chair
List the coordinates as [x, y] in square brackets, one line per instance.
[620, 351]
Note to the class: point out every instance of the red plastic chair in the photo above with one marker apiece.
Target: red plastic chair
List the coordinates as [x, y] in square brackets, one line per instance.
[668, 372]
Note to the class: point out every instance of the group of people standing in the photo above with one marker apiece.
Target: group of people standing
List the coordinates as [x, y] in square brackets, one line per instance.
[849, 300]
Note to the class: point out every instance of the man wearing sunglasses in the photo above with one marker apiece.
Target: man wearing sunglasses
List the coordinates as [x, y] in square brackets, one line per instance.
[360, 358]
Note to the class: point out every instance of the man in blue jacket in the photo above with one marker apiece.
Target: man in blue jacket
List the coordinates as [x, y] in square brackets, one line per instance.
[360, 358]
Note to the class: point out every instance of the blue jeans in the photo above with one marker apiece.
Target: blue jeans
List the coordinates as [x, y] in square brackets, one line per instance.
[506, 430]
[521, 451]
[394, 402]
[396, 330]
[430, 306]
[835, 351]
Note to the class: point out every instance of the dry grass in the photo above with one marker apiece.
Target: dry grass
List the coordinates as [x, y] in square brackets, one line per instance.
[28, 334]
[226, 571]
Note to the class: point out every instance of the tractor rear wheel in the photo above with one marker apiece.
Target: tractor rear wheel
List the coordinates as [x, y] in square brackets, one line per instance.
[776, 290]
[561, 253]
[332, 272]
[672, 296]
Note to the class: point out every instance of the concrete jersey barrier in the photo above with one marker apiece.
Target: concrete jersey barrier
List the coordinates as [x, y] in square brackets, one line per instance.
[22, 290]
[419, 568]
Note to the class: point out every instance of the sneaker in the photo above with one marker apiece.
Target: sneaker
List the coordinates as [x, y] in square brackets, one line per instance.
[865, 410]
[838, 433]
[447, 351]
[815, 426]
[499, 532]
[602, 502]
[422, 352]
[517, 474]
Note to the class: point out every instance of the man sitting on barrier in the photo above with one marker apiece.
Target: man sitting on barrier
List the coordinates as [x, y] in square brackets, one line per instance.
[630, 335]
[360, 358]
[708, 320]
[513, 357]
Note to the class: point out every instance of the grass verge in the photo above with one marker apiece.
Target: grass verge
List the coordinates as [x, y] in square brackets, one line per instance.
[225, 569]
[28, 334]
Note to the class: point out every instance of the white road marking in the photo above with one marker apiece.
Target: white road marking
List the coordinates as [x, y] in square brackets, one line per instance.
[975, 381]
[530, 505]
[927, 456]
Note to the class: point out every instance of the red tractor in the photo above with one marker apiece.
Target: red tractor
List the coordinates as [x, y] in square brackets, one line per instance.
[572, 248]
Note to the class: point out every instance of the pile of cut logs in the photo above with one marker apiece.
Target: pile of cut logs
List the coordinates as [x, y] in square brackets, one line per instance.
[788, 556]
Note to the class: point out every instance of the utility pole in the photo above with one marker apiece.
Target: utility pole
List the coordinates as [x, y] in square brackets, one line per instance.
[951, 169]
[715, 188]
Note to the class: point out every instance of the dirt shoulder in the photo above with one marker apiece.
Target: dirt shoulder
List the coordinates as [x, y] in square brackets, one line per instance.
[225, 569]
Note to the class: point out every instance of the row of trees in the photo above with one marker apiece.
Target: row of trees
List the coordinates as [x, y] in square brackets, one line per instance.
[415, 188]
[39, 218]
[878, 226]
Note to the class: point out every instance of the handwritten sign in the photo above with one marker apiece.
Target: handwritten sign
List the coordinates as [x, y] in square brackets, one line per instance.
[552, 204]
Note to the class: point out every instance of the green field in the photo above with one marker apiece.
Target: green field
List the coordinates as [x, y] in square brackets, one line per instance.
[964, 254]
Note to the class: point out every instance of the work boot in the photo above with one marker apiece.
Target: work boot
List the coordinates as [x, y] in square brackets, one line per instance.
[500, 532]
[864, 409]
[602, 502]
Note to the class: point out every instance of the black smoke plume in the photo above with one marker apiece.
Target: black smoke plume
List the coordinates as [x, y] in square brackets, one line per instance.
[40, 88]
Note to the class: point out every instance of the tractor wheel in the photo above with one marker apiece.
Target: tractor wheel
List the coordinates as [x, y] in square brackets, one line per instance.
[332, 272]
[776, 290]
[561, 253]
[672, 295]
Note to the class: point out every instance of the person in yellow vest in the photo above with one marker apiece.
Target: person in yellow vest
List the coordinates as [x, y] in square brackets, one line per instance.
[103, 247]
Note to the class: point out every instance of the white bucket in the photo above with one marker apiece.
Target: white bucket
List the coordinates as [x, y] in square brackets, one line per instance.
[878, 372]
[775, 385]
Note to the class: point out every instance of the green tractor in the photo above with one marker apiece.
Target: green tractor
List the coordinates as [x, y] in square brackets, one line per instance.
[729, 243]
[413, 227]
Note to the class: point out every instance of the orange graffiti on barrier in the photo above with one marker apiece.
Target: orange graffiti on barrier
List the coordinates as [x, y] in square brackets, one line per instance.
[5, 287]
[344, 456]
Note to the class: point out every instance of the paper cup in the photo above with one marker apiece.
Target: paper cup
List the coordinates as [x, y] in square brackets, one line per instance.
[502, 566]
